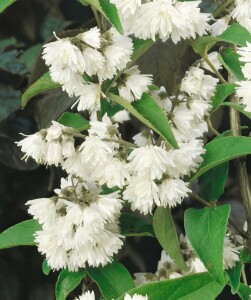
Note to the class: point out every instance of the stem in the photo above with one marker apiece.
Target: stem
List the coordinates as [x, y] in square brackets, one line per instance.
[216, 72]
[211, 128]
[96, 15]
[199, 199]
[121, 142]
[241, 167]
[243, 275]
[222, 8]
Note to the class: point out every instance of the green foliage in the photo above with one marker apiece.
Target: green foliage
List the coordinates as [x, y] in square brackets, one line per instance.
[206, 229]
[139, 48]
[9, 101]
[239, 107]
[191, 287]
[203, 44]
[5, 3]
[74, 120]
[45, 267]
[21, 234]
[133, 225]
[230, 61]
[9, 62]
[236, 34]
[67, 282]
[111, 13]
[43, 84]
[234, 276]
[165, 232]
[212, 182]
[29, 56]
[222, 92]
[113, 280]
[244, 292]
[7, 43]
[221, 150]
[148, 112]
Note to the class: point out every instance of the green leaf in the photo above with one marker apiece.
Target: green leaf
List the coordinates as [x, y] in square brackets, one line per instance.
[43, 84]
[74, 120]
[239, 107]
[133, 225]
[236, 34]
[148, 112]
[222, 92]
[245, 257]
[234, 275]
[206, 229]
[9, 101]
[203, 44]
[5, 3]
[221, 150]
[191, 287]
[230, 60]
[7, 43]
[67, 282]
[244, 292]
[9, 62]
[28, 57]
[165, 232]
[111, 13]
[212, 183]
[45, 267]
[21, 234]
[110, 108]
[113, 280]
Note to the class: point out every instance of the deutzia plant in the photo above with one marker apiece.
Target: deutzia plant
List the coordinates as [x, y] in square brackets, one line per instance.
[133, 152]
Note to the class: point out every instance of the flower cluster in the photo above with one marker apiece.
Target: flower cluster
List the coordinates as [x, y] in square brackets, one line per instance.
[79, 225]
[244, 87]
[166, 19]
[167, 269]
[91, 296]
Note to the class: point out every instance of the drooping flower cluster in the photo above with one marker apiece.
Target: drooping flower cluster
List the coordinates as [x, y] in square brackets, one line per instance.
[49, 146]
[72, 61]
[91, 296]
[165, 18]
[79, 225]
[167, 269]
[242, 13]
[244, 87]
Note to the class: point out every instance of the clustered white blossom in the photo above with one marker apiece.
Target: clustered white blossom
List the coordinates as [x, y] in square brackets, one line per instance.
[167, 269]
[243, 90]
[165, 18]
[79, 225]
[91, 296]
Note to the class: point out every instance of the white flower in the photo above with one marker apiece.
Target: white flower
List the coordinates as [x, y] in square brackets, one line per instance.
[142, 193]
[103, 129]
[63, 54]
[95, 152]
[94, 61]
[117, 51]
[245, 53]
[242, 13]
[244, 91]
[67, 144]
[143, 138]
[199, 107]
[162, 99]
[135, 297]
[113, 173]
[127, 7]
[86, 296]
[89, 97]
[34, 146]
[91, 37]
[167, 19]
[230, 254]
[197, 83]
[195, 265]
[121, 116]
[54, 153]
[220, 25]
[134, 84]
[142, 278]
[172, 192]
[54, 132]
[150, 160]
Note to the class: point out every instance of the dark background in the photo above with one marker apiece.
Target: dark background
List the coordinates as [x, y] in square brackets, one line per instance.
[27, 25]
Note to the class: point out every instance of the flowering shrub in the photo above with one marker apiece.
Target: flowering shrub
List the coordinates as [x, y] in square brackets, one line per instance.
[80, 229]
